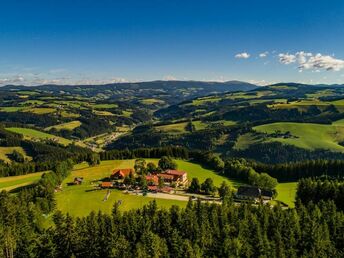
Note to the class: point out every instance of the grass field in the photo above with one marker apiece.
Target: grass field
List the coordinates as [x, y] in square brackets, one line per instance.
[103, 113]
[173, 128]
[308, 136]
[286, 193]
[67, 126]
[80, 200]
[199, 125]
[10, 109]
[104, 106]
[40, 111]
[245, 140]
[12, 182]
[4, 151]
[151, 101]
[34, 134]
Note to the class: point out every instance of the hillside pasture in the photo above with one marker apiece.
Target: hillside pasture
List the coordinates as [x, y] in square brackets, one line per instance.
[173, 128]
[5, 151]
[13, 182]
[79, 200]
[307, 135]
[287, 193]
[11, 109]
[35, 134]
[65, 126]
[40, 110]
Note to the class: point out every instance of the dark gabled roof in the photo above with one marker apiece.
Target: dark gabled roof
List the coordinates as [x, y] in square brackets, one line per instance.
[250, 191]
[267, 193]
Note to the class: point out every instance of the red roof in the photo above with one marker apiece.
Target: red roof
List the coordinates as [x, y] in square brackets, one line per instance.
[166, 176]
[175, 172]
[167, 189]
[152, 188]
[106, 184]
[123, 171]
[153, 179]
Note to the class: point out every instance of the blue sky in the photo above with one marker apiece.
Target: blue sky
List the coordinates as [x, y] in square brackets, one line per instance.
[103, 41]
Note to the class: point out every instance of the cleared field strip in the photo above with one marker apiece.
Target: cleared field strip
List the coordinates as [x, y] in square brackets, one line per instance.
[12, 182]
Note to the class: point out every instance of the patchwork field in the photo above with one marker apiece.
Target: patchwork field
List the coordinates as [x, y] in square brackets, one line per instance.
[307, 135]
[81, 199]
[13, 182]
[34, 134]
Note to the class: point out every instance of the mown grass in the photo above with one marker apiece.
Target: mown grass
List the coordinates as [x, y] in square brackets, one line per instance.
[65, 126]
[307, 135]
[35, 134]
[13, 182]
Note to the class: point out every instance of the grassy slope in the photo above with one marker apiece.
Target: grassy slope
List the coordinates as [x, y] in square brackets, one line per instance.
[10, 183]
[75, 199]
[34, 134]
[173, 128]
[309, 136]
[67, 126]
[286, 193]
[4, 151]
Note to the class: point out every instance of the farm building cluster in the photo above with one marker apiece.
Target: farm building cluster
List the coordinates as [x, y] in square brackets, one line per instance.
[165, 181]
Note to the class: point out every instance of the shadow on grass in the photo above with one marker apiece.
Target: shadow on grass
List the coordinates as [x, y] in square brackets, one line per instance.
[20, 188]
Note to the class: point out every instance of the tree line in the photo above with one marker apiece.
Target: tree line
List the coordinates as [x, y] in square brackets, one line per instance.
[317, 190]
[199, 230]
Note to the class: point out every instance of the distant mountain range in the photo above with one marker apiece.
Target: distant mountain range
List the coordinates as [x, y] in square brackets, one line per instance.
[169, 91]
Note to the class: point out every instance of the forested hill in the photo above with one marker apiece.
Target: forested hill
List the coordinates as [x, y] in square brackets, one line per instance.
[168, 91]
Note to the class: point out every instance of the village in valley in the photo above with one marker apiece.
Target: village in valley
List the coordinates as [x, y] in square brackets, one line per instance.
[165, 181]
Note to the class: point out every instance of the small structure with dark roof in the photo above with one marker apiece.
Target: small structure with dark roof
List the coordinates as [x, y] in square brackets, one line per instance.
[267, 195]
[78, 180]
[252, 193]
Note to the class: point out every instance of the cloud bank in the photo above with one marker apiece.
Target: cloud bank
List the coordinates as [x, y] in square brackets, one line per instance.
[310, 61]
[243, 55]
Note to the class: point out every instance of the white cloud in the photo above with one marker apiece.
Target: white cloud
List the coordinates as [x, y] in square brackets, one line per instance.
[287, 58]
[243, 55]
[322, 62]
[264, 54]
[169, 78]
[314, 62]
[259, 82]
[36, 80]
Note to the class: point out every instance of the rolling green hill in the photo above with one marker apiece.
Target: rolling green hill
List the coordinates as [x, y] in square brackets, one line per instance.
[34, 134]
[307, 135]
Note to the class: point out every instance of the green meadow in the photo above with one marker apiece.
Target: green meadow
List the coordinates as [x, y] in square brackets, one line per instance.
[4, 151]
[307, 135]
[173, 128]
[65, 126]
[13, 182]
[287, 193]
[35, 134]
[79, 200]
